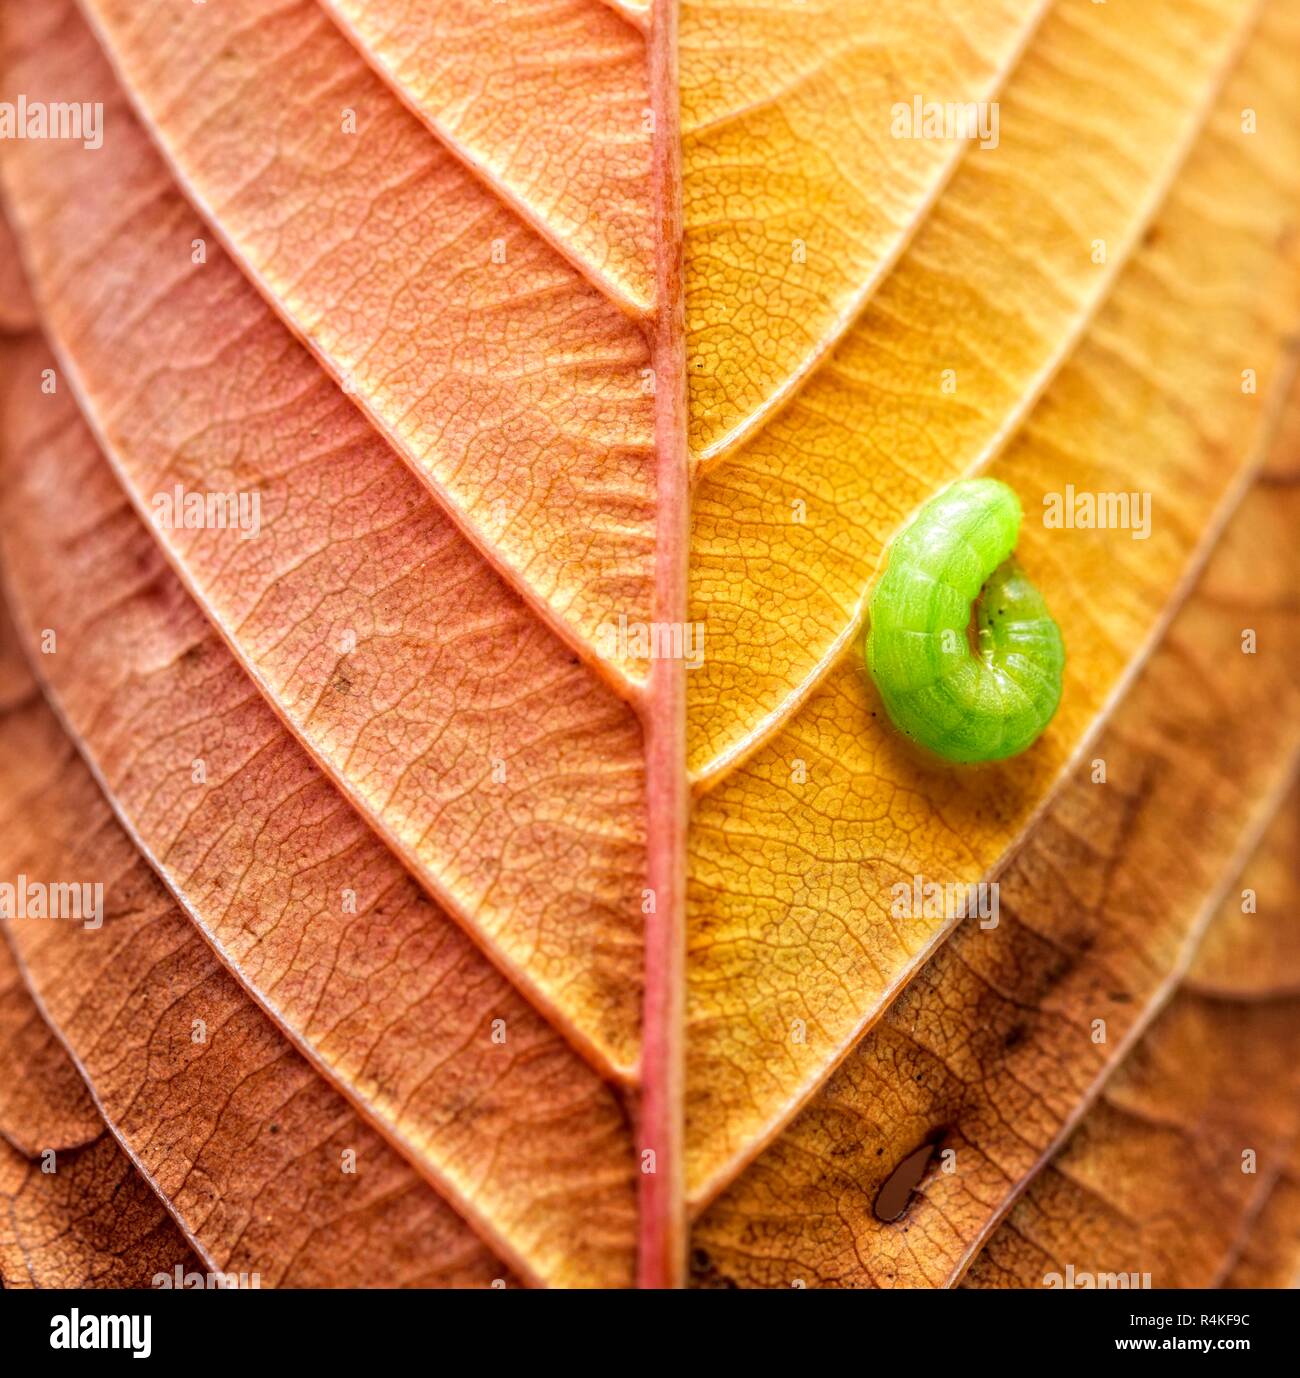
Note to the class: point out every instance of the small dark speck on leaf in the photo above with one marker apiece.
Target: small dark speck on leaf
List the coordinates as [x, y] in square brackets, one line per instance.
[895, 1196]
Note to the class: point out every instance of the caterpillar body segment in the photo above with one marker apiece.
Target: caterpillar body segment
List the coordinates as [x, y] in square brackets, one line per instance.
[966, 704]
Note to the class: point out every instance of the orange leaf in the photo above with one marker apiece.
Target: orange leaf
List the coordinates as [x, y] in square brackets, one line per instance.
[76, 1213]
[17, 311]
[422, 685]
[377, 987]
[385, 254]
[548, 103]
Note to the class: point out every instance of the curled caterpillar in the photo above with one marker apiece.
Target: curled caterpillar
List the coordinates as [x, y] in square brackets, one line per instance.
[964, 705]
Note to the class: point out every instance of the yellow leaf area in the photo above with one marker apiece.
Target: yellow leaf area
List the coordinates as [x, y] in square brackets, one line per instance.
[797, 196]
[980, 1068]
[932, 380]
[794, 853]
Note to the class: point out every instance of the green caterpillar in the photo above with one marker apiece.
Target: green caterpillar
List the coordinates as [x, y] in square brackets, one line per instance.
[964, 706]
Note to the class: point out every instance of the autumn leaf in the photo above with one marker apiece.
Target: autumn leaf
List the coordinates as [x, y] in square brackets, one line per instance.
[17, 310]
[1195, 1138]
[446, 452]
[76, 1213]
[448, 684]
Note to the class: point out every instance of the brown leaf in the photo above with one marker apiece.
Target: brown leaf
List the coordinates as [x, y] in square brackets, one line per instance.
[1152, 1184]
[1189, 1155]
[75, 1211]
[1268, 1255]
[43, 1102]
[226, 1121]
[1251, 952]
[17, 310]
